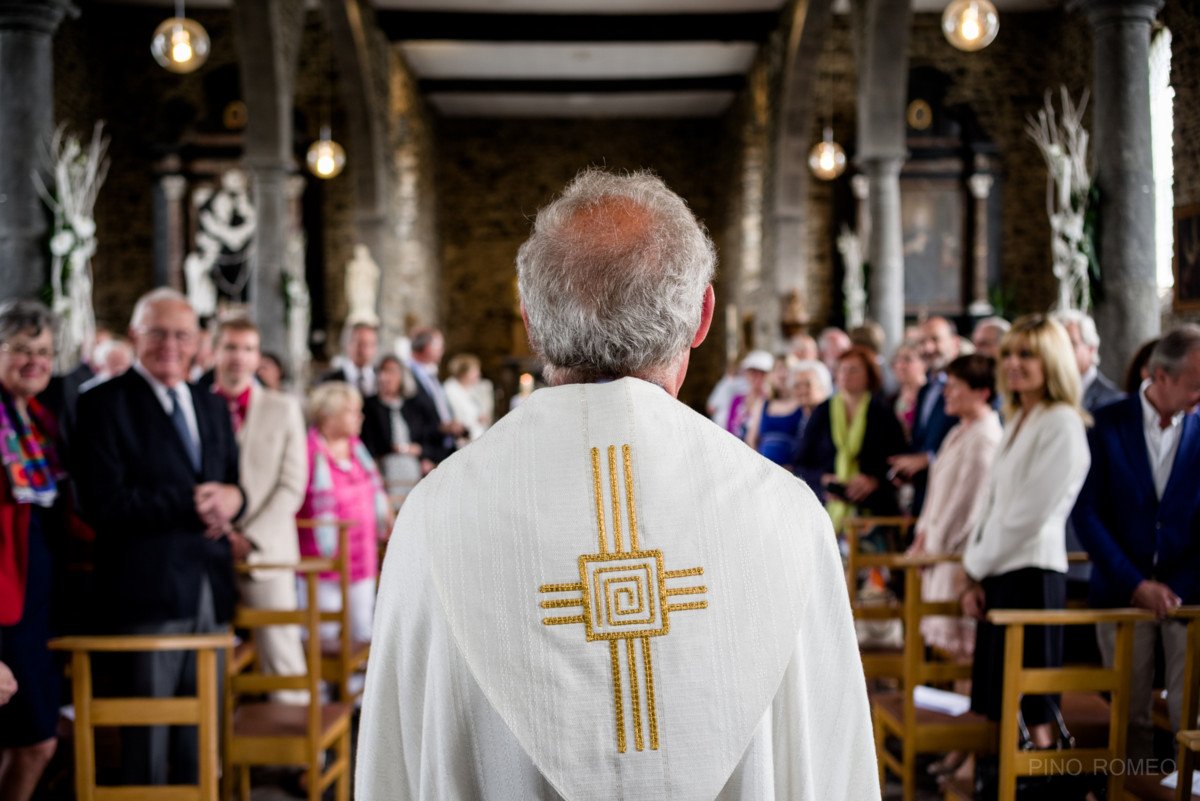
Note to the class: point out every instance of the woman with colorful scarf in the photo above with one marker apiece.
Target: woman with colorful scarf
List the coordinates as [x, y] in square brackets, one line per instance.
[32, 480]
[846, 444]
[344, 484]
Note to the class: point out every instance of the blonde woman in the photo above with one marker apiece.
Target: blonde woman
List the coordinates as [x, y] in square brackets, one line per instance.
[344, 484]
[1016, 557]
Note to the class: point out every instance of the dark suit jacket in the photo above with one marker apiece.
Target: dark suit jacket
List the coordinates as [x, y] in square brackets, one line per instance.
[61, 396]
[927, 437]
[377, 426]
[883, 438]
[1120, 520]
[1101, 393]
[136, 484]
[420, 411]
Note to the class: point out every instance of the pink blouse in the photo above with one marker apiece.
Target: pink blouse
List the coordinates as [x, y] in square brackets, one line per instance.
[354, 493]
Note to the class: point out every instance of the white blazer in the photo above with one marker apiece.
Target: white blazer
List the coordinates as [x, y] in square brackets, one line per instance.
[1038, 472]
[273, 465]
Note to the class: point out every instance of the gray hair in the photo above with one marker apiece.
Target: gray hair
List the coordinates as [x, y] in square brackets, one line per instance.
[1173, 349]
[1087, 328]
[161, 295]
[613, 277]
[819, 371]
[329, 399]
[999, 323]
[21, 314]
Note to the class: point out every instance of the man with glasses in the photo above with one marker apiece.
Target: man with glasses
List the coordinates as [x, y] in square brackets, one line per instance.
[157, 468]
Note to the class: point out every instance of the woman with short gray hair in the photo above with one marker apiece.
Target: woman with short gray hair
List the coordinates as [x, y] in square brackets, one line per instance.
[31, 478]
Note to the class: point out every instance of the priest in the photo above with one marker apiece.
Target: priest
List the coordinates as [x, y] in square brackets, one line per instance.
[607, 596]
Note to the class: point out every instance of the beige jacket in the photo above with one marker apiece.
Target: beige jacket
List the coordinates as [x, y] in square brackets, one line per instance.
[273, 463]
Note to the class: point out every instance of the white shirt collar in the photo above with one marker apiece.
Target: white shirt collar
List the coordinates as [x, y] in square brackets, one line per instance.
[1151, 415]
[163, 393]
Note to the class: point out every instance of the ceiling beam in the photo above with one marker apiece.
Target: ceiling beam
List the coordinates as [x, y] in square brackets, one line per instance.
[731, 83]
[410, 25]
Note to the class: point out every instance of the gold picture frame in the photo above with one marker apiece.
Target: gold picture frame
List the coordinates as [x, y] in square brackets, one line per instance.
[1186, 262]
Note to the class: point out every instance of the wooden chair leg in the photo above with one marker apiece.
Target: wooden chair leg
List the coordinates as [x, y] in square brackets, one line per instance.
[244, 783]
[343, 756]
[908, 759]
[880, 744]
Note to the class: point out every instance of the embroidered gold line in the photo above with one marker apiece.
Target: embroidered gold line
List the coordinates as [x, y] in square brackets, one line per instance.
[691, 571]
[562, 621]
[650, 711]
[682, 607]
[682, 590]
[616, 673]
[634, 697]
[633, 533]
[576, 587]
[599, 490]
[561, 604]
[616, 496]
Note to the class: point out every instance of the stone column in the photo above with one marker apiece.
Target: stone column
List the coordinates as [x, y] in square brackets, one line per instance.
[171, 231]
[26, 126]
[881, 33]
[885, 247]
[1129, 313]
[980, 186]
[268, 39]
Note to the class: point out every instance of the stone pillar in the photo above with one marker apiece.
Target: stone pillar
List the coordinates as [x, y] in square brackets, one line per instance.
[980, 186]
[881, 33]
[268, 40]
[885, 248]
[171, 231]
[26, 126]
[1128, 315]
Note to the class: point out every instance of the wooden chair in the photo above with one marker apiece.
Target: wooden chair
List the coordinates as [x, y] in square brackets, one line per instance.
[895, 714]
[270, 733]
[199, 710]
[1148, 786]
[1020, 680]
[341, 656]
[878, 662]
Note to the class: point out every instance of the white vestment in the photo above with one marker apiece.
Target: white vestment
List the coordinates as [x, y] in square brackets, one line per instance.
[608, 597]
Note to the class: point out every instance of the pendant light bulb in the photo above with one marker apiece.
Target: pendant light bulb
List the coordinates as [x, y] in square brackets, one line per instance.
[827, 160]
[180, 44]
[970, 25]
[325, 157]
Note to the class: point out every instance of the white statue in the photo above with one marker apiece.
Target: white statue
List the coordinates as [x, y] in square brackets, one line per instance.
[362, 285]
[198, 271]
[299, 309]
[853, 290]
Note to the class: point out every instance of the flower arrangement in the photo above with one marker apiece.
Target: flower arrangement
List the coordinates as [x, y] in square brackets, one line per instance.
[1070, 198]
[78, 174]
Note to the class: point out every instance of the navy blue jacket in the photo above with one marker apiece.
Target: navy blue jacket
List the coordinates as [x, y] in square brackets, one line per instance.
[1120, 520]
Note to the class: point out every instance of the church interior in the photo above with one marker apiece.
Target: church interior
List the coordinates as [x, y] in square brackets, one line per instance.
[324, 163]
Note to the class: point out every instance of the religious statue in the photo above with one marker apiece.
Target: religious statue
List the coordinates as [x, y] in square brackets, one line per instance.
[362, 285]
[226, 224]
[299, 308]
[198, 273]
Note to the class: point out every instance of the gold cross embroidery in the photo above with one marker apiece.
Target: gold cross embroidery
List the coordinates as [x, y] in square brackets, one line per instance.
[624, 596]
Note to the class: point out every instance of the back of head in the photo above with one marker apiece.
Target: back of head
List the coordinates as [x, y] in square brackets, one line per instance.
[613, 278]
[1172, 350]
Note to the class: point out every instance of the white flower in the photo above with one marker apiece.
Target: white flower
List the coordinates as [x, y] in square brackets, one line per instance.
[85, 227]
[62, 242]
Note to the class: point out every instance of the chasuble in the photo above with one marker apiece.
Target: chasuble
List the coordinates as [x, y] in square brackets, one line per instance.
[609, 597]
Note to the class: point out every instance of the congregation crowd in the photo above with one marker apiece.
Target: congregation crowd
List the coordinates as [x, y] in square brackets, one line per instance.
[1010, 449]
[135, 481]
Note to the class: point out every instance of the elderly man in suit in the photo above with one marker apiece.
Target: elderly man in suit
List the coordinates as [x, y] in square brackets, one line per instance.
[157, 468]
[939, 347]
[1137, 518]
[434, 427]
[269, 427]
[1085, 340]
[360, 344]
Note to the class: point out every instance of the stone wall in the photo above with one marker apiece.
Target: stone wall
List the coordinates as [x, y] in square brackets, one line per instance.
[493, 176]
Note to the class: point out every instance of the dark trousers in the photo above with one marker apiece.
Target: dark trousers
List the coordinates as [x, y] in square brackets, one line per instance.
[1028, 588]
[147, 751]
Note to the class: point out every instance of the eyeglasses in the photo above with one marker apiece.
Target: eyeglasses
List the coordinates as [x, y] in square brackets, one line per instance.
[26, 353]
[159, 335]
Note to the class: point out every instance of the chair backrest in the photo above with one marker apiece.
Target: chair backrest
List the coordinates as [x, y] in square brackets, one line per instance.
[854, 529]
[1189, 738]
[341, 566]
[199, 710]
[256, 682]
[1020, 680]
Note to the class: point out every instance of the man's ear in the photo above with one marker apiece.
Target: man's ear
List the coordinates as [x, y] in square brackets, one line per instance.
[707, 308]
